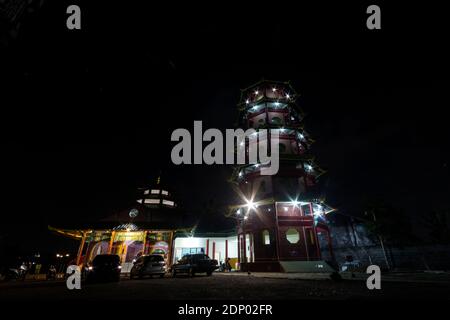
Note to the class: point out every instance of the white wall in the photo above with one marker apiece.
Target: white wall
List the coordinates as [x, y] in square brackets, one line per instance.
[195, 242]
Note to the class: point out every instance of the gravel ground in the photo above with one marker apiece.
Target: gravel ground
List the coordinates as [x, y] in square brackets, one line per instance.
[223, 287]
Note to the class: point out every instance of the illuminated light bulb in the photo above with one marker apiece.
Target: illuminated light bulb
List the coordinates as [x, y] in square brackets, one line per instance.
[288, 96]
[285, 209]
[246, 217]
[274, 89]
[256, 92]
[251, 204]
[247, 101]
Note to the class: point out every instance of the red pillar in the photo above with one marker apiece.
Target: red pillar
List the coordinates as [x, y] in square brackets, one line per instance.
[207, 247]
[226, 250]
[213, 250]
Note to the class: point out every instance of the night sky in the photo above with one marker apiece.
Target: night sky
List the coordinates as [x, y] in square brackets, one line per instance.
[87, 115]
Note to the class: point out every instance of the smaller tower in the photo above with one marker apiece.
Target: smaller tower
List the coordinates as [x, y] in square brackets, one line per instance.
[156, 197]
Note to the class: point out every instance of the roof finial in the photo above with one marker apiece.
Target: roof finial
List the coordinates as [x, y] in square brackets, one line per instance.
[158, 180]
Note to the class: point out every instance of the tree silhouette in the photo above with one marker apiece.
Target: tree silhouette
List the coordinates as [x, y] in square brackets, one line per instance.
[438, 226]
[389, 223]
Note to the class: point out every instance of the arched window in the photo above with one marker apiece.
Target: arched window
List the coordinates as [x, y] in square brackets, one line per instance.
[277, 120]
[266, 237]
[292, 235]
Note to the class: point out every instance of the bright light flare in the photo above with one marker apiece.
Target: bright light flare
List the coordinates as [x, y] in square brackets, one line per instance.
[251, 205]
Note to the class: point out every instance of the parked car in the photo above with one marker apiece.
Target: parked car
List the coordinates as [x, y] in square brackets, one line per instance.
[7, 274]
[104, 267]
[195, 263]
[148, 265]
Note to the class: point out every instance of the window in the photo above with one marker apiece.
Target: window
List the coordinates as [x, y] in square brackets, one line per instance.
[185, 251]
[266, 237]
[151, 201]
[169, 203]
[164, 192]
[306, 210]
[155, 191]
[311, 236]
[249, 253]
[292, 235]
[277, 120]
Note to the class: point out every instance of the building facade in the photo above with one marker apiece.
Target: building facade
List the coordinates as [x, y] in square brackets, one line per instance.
[282, 224]
[154, 225]
[148, 227]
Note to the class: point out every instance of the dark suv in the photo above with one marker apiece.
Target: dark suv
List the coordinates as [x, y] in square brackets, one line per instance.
[148, 265]
[194, 263]
[104, 267]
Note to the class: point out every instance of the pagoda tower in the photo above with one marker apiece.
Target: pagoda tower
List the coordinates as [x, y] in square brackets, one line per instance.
[281, 224]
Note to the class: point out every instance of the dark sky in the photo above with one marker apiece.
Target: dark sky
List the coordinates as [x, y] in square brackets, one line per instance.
[87, 115]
